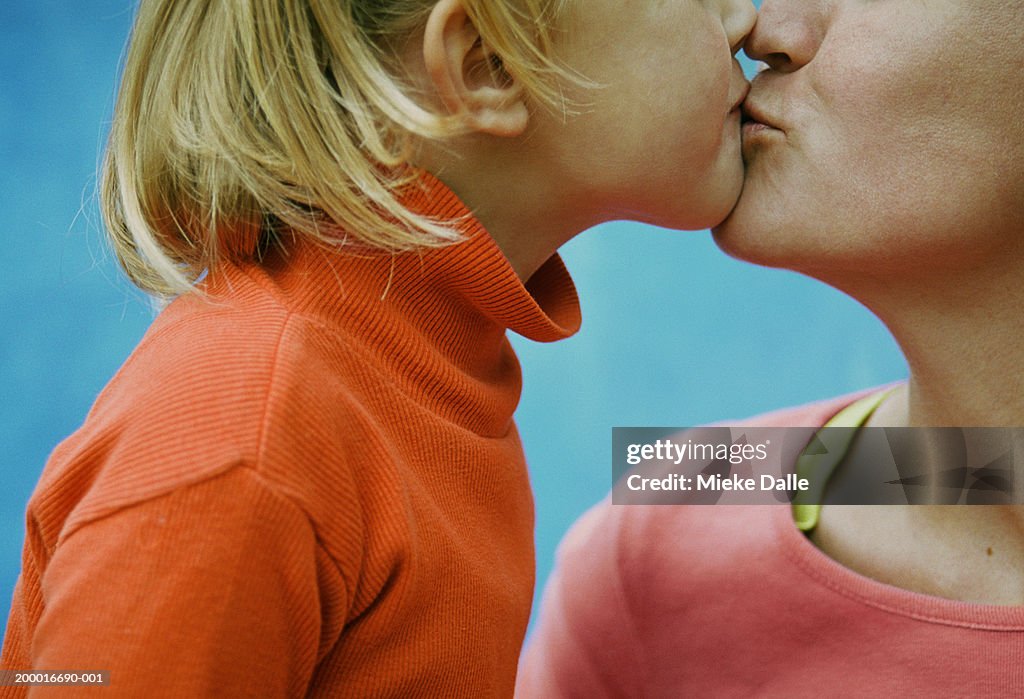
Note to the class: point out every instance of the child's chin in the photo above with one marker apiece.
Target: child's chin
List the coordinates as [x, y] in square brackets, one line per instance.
[723, 209]
[706, 212]
[725, 218]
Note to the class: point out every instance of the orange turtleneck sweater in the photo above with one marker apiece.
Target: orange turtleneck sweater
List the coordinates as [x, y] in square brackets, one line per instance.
[311, 485]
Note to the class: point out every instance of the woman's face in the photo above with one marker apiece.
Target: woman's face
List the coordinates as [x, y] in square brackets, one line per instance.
[885, 137]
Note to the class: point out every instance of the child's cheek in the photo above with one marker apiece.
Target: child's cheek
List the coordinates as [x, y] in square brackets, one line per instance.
[708, 95]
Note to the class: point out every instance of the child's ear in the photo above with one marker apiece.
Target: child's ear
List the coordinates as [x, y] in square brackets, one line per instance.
[468, 77]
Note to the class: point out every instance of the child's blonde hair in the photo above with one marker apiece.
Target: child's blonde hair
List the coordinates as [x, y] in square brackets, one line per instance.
[239, 118]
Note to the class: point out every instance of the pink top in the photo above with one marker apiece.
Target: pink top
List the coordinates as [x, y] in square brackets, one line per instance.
[733, 601]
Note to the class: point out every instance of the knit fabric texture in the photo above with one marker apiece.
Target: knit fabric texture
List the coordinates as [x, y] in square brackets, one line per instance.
[673, 601]
[308, 484]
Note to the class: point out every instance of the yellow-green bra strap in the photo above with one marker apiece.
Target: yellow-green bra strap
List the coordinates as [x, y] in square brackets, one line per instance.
[854, 415]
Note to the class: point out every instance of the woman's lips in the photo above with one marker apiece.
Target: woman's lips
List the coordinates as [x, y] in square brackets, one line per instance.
[755, 122]
[753, 128]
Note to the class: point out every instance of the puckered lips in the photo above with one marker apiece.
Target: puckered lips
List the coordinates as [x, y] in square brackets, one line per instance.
[737, 101]
[756, 119]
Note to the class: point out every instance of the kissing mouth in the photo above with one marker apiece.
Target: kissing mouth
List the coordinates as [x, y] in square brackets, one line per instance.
[751, 114]
[738, 102]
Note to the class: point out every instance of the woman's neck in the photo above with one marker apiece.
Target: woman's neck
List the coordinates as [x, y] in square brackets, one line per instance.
[964, 344]
[963, 339]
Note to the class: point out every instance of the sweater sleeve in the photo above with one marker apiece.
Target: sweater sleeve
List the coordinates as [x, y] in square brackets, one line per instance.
[210, 590]
[584, 644]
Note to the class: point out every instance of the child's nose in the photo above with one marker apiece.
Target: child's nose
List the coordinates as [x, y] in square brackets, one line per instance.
[738, 17]
[788, 33]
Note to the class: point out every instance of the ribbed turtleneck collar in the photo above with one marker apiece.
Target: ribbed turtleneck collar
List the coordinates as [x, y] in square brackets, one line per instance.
[434, 318]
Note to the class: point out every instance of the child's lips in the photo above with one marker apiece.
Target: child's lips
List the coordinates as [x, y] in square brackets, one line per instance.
[737, 103]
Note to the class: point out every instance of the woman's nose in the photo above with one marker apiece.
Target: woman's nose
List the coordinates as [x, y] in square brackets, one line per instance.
[788, 33]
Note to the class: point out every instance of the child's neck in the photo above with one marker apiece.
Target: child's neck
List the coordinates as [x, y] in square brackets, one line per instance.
[515, 191]
[522, 214]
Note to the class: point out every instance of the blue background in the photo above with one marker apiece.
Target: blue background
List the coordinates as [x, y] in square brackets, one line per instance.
[674, 332]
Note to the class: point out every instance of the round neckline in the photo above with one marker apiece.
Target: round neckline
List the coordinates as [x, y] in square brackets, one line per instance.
[895, 600]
